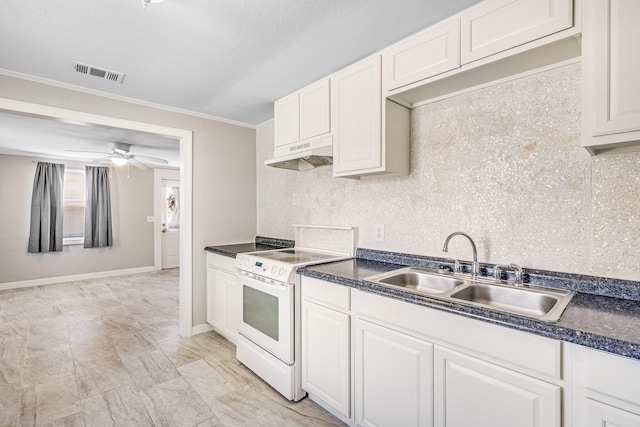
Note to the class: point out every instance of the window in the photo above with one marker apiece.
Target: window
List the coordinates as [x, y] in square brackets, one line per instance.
[73, 207]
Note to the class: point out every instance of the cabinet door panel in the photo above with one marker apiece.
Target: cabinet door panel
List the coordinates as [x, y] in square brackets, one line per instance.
[601, 415]
[357, 98]
[212, 298]
[615, 44]
[286, 120]
[314, 110]
[393, 377]
[472, 392]
[427, 54]
[230, 300]
[502, 24]
[326, 355]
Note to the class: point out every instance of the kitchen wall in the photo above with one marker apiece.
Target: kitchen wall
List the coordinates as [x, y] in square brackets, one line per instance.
[131, 202]
[504, 164]
[223, 162]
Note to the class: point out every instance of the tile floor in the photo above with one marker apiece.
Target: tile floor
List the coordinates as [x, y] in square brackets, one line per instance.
[107, 352]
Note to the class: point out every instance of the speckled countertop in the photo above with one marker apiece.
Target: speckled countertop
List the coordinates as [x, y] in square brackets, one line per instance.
[602, 322]
[260, 244]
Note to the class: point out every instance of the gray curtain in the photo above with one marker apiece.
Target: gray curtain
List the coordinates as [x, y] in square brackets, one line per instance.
[45, 234]
[97, 213]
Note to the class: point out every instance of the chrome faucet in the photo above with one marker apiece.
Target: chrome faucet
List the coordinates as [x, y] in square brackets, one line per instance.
[517, 271]
[475, 267]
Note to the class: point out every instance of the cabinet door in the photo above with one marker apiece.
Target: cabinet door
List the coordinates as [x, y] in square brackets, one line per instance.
[601, 415]
[230, 290]
[472, 392]
[499, 25]
[286, 120]
[315, 110]
[393, 378]
[214, 297]
[326, 354]
[611, 69]
[424, 55]
[357, 101]
[211, 299]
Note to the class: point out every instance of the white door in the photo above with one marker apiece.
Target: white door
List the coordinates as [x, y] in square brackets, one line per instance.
[393, 378]
[326, 355]
[471, 392]
[170, 223]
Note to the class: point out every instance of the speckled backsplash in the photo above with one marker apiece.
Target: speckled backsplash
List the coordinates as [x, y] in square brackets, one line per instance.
[503, 164]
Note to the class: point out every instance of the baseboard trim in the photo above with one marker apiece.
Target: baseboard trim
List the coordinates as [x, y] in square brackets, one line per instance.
[201, 329]
[74, 278]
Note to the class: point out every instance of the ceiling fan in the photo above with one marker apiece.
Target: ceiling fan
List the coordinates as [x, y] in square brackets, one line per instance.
[120, 155]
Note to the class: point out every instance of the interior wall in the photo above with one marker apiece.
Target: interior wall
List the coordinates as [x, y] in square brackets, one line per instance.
[131, 202]
[224, 157]
[503, 164]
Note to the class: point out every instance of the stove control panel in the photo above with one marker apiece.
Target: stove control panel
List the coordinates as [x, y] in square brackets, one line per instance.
[275, 270]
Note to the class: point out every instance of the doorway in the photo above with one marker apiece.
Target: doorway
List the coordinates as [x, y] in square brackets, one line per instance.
[170, 239]
[186, 179]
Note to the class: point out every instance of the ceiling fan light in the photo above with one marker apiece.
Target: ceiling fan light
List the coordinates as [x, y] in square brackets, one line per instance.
[119, 161]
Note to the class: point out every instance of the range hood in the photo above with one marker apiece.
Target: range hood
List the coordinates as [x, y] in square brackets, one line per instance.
[303, 156]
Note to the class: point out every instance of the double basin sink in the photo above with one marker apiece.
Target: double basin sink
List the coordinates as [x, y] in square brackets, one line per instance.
[546, 304]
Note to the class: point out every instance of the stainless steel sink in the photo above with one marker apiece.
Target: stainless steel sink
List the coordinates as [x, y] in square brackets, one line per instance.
[541, 303]
[418, 280]
[545, 304]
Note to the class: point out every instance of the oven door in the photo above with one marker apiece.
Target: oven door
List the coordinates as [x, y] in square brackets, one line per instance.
[265, 314]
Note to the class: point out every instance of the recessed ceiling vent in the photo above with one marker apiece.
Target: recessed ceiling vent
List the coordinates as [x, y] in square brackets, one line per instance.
[101, 73]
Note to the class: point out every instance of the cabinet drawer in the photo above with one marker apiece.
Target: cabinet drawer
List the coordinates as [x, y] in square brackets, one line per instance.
[327, 293]
[520, 350]
[499, 25]
[426, 54]
[221, 262]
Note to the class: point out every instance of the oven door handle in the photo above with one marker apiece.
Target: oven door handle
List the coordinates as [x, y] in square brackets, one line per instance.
[261, 281]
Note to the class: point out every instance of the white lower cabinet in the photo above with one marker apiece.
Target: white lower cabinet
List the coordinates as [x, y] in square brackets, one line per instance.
[221, 295]
[472, 392]
[326, 350]
[606, 389]
[393, 377]
[378, 361]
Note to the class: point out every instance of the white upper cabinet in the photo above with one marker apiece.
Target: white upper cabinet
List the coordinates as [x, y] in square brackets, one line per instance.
[497, 25]
[371, 136]
[303, 114]
[426, 54]
[315, 107]
[611, 66]
[286, 120]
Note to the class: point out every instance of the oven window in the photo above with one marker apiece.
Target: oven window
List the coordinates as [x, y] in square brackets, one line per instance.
[260, 311]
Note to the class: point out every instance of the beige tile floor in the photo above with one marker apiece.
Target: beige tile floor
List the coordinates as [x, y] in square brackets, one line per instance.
[107, 352]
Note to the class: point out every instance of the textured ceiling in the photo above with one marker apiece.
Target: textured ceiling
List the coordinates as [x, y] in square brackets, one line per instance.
[226, 58]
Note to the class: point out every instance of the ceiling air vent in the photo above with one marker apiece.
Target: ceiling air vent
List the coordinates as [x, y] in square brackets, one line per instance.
[102, 73]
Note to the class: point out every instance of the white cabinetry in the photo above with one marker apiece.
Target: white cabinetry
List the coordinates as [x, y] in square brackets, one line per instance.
[472, 392]
[428, 53]
[303, 114]
[497, 25]
[371, 133]
[221, 295]
[611, 65]
[393, 377]
[326, 344]
[606, 389]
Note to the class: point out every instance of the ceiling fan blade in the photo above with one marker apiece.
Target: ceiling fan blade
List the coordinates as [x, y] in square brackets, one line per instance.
[155, 159]
[138, 164]
[86, 151]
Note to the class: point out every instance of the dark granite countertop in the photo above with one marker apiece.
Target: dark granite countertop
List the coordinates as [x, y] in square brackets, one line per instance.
[260, 244]
[601, 322]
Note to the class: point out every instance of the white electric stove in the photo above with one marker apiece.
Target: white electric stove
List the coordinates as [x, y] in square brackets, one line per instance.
[269, 307]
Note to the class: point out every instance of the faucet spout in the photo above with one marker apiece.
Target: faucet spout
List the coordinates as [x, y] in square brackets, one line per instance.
[475, 267]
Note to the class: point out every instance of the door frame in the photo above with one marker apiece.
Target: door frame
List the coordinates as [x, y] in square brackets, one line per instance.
[186, 182]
